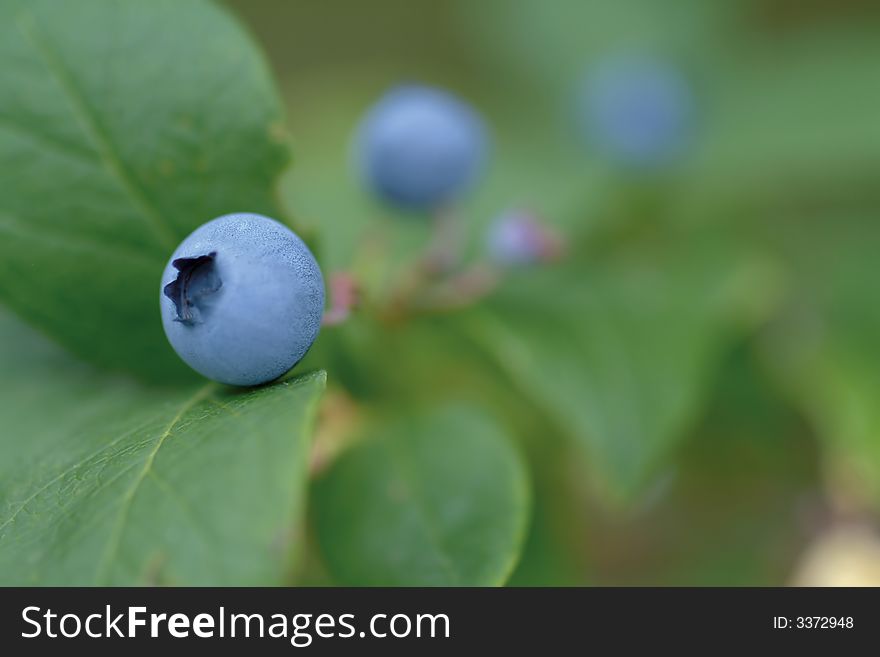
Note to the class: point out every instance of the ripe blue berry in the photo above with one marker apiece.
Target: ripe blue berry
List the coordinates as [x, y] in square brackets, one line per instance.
[637, 111]
[242, 299]
[420, 147]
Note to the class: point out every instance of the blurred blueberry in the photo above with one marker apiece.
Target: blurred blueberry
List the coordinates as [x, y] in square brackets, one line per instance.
[518, 238]
[419, 147]
[637, 111]
[242, 299]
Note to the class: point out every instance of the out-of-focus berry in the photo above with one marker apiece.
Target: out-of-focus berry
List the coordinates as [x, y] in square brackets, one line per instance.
[636, 111]
[420, 148]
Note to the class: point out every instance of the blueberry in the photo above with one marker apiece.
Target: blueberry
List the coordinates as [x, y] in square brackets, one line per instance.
[637, 111]
[242, 299]
[518, 237]
[419, 147]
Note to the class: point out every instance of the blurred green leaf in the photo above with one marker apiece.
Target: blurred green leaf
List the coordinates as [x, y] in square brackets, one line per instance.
[825, 347]
[620, 351]
[792, 115]
[736, 505]
[106, 482]
[123, 127]
[437, 499]
[553, 550]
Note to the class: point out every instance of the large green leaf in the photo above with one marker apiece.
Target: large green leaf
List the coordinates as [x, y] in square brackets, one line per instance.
[619, 352]
[438, 499]
[123, 126]
[103, 481]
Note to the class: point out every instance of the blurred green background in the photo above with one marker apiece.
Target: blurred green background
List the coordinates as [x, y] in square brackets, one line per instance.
[776, 453]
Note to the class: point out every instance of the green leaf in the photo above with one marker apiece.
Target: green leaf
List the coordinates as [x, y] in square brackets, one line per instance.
[103, 481]
[722, 513]
[555, 546]
[825, 347]
[123, 127]
[793, 117]
[619, 352]
[438, 499]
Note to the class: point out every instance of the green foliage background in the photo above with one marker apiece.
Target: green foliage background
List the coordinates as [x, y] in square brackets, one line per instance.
[689, 397]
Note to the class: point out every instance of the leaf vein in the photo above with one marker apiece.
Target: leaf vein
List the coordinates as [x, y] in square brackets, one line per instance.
[64, 473]
[426, 517]
[63, 146]
[125, 506]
